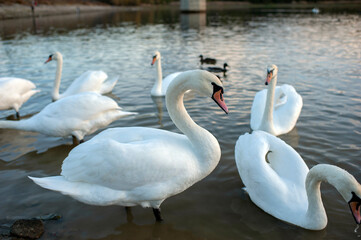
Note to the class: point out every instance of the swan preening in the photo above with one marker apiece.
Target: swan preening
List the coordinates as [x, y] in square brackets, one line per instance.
[277, 109]
[77, 115]
[161, 85]
[14, 92]
[90, 81]
[143, 166]
[279, 182]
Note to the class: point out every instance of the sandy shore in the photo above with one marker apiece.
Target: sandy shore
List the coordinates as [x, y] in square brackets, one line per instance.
[23, 11]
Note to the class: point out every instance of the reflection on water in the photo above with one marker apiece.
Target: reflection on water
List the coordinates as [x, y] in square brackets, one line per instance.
[318, 54]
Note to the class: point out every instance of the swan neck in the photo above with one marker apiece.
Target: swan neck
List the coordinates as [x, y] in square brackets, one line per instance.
[157, 88]
[59, 68]
[203, 142]
[267, 119]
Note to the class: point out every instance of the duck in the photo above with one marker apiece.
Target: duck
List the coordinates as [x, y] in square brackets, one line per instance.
[207, 60]
[77, 115]
[218, 69]
[161, 85]
[276, 109]
[131, 166]
[89, 81]
[14, 92]
[279, 182]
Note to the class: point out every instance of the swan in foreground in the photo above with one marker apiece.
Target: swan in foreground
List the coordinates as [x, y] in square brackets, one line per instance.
[279, 182]
[76, 115]
[161, 85]
[14, 92]
[90, 81]
[276, 109]
[143, 166]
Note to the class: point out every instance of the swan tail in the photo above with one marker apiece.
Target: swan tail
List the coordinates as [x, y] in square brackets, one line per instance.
[125, 114]
[108, 85]
[84, 192]
[28, 94]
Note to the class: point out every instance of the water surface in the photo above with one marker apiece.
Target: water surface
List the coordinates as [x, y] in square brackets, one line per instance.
[320, 55]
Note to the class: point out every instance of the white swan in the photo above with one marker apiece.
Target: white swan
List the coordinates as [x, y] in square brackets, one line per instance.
[279, 182]
[277, 109]
[76, 115]
[14, 92]
[144, 166]
[160, 85]
[90, 81]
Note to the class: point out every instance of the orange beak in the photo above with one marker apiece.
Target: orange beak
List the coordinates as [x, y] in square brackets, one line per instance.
[154, 59]
[49, 59]
[218, 98]
[268, 78]
[355, 209]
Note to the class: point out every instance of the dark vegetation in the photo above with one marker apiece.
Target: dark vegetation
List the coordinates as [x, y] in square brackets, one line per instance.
[138, 2]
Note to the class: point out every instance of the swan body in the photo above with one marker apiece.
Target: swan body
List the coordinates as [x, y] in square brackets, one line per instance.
[89, 81]
[76, 115]
[161, 85]
[276, 109]
[143, 166]
[14, 92]
[279, 182]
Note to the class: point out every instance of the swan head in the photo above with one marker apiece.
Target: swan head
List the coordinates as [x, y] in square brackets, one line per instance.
[272, 71]
[55, 56]
[205, 83]
[156, 57]
[349, 189]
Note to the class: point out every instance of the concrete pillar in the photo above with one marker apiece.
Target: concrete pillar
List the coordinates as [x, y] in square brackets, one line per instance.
[193, 5]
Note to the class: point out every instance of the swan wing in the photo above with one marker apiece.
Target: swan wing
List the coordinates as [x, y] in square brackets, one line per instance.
[15, 91]
[277, 185]
[89, 81]
[78, 114]
[167, 80]
[288, 108]
[132, 159]
[108, 85]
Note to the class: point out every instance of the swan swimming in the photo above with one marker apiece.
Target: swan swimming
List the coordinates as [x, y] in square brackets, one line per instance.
[276, 109]
[161, 85]
[14, 92]
[89, 81]
[77, 115]
[143, 166]
[279, 182]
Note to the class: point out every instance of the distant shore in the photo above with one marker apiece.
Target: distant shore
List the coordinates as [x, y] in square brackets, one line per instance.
[11, 11]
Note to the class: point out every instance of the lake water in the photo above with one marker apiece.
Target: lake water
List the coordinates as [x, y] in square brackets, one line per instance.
[319, 54]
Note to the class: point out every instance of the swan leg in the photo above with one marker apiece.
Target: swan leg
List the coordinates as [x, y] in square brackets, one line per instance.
[130, 217]
[75, 140]
[17, 115]
[157, 214]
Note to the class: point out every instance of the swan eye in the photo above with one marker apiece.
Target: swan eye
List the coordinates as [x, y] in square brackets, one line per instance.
[216, 88]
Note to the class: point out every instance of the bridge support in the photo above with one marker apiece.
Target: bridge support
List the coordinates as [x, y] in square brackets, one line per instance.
[191, 6]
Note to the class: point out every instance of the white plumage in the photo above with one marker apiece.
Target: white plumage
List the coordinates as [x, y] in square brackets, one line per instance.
[276, 109]
[14, 92]
[279, 182]
[89, 81]
[76, 115]
[144, 166]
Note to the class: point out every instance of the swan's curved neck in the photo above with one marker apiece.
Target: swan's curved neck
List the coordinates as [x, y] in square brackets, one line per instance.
[267, 119]
[203, 142]
[59, 68]
[316, 216]
[157, 88]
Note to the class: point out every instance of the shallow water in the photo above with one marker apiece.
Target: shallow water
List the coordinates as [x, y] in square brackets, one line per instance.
[320, 55]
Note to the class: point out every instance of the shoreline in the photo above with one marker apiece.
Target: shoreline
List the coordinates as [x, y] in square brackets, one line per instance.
[16, 11]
